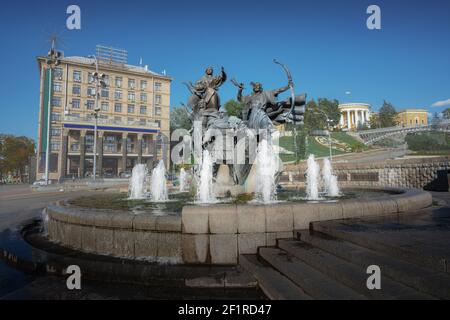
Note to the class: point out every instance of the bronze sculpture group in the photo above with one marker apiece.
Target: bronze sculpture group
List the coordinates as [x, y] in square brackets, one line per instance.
[261, 112]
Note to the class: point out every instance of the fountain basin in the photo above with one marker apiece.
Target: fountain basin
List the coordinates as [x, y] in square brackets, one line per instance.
[213, 234]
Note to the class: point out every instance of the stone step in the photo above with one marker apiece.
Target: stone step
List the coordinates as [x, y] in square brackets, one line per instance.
[272, 283]
[438, 261]
[314, 283]
[423, 279]
[351, 275]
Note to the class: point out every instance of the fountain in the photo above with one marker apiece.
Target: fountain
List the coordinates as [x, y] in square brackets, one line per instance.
[183, 180]
[205, 192]
[193, 228]
[330, 180]
[312, 179]
[267, 166]
[158, 183]
[138, 182]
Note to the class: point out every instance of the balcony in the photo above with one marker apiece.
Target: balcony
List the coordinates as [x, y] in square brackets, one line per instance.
[110, 122]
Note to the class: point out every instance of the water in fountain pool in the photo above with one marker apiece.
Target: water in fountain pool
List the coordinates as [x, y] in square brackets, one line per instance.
[158, 183]
[330, 180]
[267, 165]
[183, 180]
[205, 190]
[312, 179]
[138, 182]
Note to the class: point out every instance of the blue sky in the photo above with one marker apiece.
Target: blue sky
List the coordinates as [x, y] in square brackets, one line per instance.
[325, 43]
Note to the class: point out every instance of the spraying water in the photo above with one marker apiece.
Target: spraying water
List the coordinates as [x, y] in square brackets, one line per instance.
[138, 182]
[158, 183]
[266, 169]
[330, 180]
[183, 180]
[312, 179]
[205, 193]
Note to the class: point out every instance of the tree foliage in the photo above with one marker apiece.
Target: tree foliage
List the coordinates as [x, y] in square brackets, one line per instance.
[446, 113]
[15, 153]
[317, 112]
[233, 108]
[179, 119]
[387, 115]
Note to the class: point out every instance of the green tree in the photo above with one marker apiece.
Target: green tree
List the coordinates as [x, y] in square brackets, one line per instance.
[331, 108]
[233, 108]
[446, 113]
[15, 153]
[387, 115]
[316, 114]
[375, 121]
[179, 119]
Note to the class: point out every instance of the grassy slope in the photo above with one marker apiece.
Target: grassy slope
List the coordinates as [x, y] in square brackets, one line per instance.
[314, 147]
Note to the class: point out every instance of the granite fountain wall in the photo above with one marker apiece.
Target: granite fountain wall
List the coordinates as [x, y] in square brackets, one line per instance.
[215, 234]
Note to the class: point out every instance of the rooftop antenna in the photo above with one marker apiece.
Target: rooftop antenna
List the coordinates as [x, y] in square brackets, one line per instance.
[140, 62]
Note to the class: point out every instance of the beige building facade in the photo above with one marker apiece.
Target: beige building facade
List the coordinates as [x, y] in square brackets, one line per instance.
[412, 117]
[132, 124]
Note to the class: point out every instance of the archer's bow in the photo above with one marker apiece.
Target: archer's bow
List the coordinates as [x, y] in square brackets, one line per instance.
[291, 87]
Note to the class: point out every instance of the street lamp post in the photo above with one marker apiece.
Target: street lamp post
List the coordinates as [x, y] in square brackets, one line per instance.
[329, 133]
[99, 83]
[53, 59]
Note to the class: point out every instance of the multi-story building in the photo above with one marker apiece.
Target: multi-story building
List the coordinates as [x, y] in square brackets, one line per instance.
[132, 124]
[412, 117]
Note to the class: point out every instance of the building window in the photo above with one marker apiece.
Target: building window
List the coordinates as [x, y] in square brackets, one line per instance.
[158, 123]
[76, 103]
[56, 116]
[77, 76]
[158, 86]
[118, 107]
[131, 84]
[143, 110]
[118, 120]
[90, 91]
[103, 117]
[131, 96]
[74, 146]
[105, 93]
[158, 99]
[110, 144]
[56, 102]
[118, 95]
[105, 106]
[118, 82]
[131, 108]
[56, 132]
[142, 122]
[143, 84]
[55, 145]
[106, 79]
[158, 111]
[90, 77]
[57, 73]
[57, 87]
[75, 115]
[130, 120]
[89, 143]
[130, 145]
[90, 104]
[143, 97]
[76, 90]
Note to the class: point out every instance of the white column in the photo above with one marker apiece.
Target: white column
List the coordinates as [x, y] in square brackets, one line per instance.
[341, 120]
[348, 119]
[356, 118]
